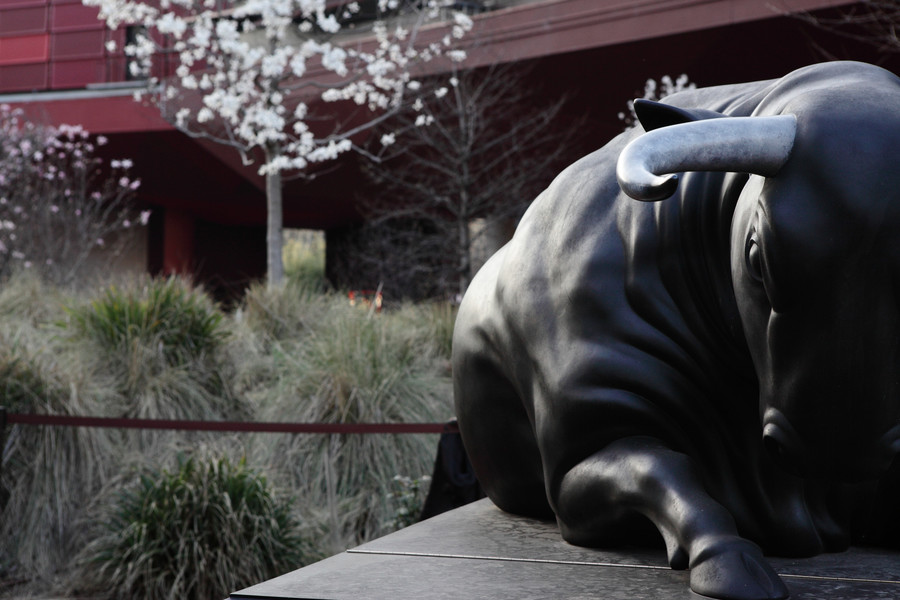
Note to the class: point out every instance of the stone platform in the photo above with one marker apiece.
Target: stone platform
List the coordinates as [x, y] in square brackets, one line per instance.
[479, 552]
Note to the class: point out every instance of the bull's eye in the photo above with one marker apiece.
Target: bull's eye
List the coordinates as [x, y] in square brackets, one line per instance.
[753, 256]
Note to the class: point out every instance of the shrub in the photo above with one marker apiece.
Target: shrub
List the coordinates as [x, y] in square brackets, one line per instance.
[49, 473]
[164, 350]
[179, 324]
[203, 530]
[283, 312]
[433, 322]
[59, 202]
[408, 496]
[353, 366]
[160, 345]
[26, 301]
[22, 386]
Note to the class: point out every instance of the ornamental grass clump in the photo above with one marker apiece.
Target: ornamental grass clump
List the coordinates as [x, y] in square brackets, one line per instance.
[160, 345]
[433, 322]
[353, 366]
[283, 312]
[48, 474]
[200, 531]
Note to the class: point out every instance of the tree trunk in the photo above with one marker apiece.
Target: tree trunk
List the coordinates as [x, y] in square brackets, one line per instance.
[465, 243]
[274, 226]
[463, 220]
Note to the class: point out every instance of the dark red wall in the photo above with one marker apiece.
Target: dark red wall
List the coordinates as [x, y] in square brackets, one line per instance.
[54, 45]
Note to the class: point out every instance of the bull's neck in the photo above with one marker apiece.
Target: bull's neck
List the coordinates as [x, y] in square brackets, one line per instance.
[694, 228]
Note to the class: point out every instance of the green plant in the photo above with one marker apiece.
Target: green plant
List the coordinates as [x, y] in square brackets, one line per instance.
[177, 322]
[353, 366]
[48, 473]
[283, 312]
[22, 386]
[26, 300]
[433, 322]
[292, 354]
[202, 530]
[408, 496]
[160, 346]
[304, 258]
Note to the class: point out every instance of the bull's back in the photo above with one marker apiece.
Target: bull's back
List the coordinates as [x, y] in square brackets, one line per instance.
[569, 333]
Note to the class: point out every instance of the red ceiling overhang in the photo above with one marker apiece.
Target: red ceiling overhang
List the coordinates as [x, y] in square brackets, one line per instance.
[548, 27]
[98, 110]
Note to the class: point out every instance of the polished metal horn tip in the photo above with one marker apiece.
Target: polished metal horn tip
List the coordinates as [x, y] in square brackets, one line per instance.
[650, 188]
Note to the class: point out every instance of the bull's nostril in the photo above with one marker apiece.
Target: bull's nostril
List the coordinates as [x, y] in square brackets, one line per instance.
[781, 453]
[782, 442]
[775, 448]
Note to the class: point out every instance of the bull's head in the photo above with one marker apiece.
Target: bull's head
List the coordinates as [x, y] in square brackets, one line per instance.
[815, 247]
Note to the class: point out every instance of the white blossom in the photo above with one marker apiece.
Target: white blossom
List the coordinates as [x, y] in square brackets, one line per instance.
[463, 20]
[171, 24]
[333, 59]
[246, 77]
[328, 23]
[181, 117]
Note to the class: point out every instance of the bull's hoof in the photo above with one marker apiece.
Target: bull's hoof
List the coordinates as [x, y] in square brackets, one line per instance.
[737, 571]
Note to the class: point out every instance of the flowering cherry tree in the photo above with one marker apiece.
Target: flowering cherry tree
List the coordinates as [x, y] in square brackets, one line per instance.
[59, 202]
[263, 76]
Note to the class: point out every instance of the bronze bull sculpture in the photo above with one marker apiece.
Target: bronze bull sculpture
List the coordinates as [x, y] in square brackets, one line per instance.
[722, 358]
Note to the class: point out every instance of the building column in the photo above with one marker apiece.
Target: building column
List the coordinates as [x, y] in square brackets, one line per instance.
[178, 243]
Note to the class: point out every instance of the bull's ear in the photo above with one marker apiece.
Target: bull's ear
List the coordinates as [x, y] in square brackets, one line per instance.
[654, 115]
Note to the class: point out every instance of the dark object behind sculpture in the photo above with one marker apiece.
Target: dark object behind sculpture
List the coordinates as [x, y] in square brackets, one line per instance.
[453, 483]
[722, 362]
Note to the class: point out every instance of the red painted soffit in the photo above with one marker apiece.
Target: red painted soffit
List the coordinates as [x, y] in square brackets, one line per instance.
[97, 114]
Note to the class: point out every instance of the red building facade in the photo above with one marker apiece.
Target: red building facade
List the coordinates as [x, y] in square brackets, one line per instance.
[57, 61]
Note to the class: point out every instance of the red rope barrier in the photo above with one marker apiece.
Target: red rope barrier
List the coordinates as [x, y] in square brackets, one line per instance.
[259, 427]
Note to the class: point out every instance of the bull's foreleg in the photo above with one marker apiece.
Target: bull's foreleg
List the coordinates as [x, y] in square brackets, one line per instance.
[640, 475]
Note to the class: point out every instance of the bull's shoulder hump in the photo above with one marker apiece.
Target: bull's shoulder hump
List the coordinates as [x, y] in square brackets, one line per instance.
[734, 100]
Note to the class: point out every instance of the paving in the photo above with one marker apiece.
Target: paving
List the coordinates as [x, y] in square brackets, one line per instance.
[479, 552]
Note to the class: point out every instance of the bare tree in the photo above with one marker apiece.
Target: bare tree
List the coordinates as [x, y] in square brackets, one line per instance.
[464, 166]
[872, 22]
